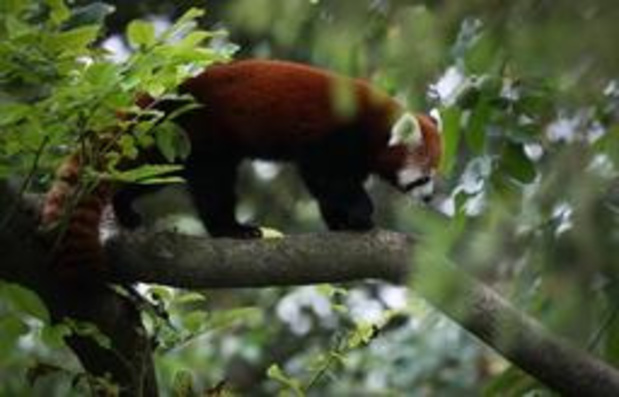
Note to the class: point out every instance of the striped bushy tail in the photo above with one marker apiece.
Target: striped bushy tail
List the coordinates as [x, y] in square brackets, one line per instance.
[76, 214]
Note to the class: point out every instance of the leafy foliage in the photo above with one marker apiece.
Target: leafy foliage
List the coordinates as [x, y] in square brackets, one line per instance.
[71, 91]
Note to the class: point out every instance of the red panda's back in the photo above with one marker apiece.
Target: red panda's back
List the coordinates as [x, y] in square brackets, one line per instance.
[269, 104]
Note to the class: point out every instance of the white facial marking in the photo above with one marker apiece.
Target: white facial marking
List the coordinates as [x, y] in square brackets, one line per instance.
[408, 175]
[417, 184]
[423, 191]
[406, 131]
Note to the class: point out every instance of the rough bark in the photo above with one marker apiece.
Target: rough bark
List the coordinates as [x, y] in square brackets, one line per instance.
[192, 262]
[195, 262]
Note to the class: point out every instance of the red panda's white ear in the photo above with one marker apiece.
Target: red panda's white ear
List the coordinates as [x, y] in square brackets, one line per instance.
[435, 115]
[406, 131]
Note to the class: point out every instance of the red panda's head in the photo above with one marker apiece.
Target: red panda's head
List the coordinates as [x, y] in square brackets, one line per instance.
[418, 138]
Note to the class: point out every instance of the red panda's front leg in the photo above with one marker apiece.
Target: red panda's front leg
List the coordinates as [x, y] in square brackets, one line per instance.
[212, 181]
[343, 201]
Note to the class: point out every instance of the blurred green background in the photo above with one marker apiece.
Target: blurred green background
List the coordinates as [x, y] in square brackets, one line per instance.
[528, 94]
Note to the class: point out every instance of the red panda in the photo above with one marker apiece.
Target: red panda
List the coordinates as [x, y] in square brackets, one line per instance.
[283, 111]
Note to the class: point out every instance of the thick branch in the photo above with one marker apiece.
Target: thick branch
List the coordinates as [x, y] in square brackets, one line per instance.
[193, 262]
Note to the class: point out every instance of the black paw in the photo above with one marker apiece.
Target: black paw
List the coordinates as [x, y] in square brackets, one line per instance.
[237, 231]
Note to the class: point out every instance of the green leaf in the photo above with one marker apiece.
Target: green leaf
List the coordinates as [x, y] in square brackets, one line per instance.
[523, 133]
[141, 34]
[194, 39]
[190, 15]
[275, 372]
[40, 370]
[24, 301]
[13, 112]
[89, 330]
[197, 55]
[11, 329]
[91, 14]
[484, 56]
[476, 131]
[145, 141]
[5, 170]
[191, 105]
[160, 293]
[145, 173]
[331, 291]
[185, 22]
[59, 11]
[172, 142]
[74, 41]
[162, 180]
[12, 7]
[609, 144]
[451, 138]
[128, 146]
[515, 163]
[536, 100]
[183, 384]
[194, 321]
[190, 297]
[227, 319]
[100, 75]
[53, 335]
[362, 335]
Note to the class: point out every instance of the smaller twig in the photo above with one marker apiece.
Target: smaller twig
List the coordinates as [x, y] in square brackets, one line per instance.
[612, 315]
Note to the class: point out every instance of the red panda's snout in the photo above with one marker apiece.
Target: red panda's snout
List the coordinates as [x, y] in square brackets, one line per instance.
[416, 182]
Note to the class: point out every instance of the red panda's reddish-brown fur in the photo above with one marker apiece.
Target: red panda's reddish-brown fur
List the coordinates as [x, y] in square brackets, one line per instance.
[276, 111]
[271, 106]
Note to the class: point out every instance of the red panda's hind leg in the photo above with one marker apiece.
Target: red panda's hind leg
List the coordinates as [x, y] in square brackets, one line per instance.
[123, 200]
[212, 183]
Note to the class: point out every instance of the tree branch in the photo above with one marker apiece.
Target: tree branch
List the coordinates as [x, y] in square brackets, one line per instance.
[192, 262]
[196, 262]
